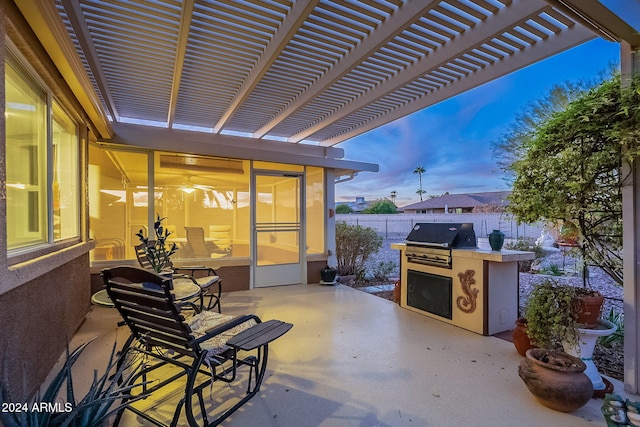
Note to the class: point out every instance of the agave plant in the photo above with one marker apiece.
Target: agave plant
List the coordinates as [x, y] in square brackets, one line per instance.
[93, 409]
[157, 253]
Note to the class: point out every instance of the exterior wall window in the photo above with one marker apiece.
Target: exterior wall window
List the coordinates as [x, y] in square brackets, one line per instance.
[43, 189]
[65, 188]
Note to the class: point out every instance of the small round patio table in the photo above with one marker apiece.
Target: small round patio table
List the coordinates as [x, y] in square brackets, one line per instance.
[182, 289]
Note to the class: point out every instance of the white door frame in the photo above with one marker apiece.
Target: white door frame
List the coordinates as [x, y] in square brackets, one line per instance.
[280, 274]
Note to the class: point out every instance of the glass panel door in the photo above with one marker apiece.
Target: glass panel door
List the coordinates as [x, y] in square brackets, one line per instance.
[277, 256]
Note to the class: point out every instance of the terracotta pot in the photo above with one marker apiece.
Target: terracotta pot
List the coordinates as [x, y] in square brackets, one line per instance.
[556, 379]
[520, 338]
[396, 292]
[589, 310]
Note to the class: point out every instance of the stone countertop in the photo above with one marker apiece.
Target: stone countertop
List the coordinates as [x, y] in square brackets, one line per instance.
[484, 254]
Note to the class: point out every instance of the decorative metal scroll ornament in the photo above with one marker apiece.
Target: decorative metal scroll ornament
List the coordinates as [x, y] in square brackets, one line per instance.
[467, 303]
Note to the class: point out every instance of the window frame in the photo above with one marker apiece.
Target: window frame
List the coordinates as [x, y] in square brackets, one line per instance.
[30, 251]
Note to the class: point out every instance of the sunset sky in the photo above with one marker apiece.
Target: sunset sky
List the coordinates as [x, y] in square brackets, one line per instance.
[452, 140]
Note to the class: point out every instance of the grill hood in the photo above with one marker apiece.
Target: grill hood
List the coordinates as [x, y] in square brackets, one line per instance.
[445, 235]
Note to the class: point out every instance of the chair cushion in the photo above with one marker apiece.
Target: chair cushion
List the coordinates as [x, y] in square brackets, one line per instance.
[203, 282]
[206, 281]
[207, 320]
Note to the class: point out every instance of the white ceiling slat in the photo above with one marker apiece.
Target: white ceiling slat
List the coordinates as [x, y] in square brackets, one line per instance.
[529, 27]
[568, 38]
[421, 38]
[178, 64]
[317, 71]
[445, 35]
[483, 32]
[394, 25]
[364, 22]
[563, 19]
[132, 58]
[455, 17]
[290, 25]
[519, 34]
[454, 25]
[76, 19]
[487, 6]
[468, 10]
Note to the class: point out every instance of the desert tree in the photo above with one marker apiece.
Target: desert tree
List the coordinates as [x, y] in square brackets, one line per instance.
[566, 165]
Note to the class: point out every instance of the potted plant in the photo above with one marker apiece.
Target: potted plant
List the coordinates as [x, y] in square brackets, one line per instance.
[556, 379]
[156, 250]
[568, 316]
[555, 312]
[328, 275]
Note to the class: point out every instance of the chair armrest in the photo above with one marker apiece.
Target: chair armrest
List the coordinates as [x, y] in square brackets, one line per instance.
[188, 304]
[259, 335]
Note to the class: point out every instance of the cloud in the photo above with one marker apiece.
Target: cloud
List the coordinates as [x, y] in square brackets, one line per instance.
[452, 140]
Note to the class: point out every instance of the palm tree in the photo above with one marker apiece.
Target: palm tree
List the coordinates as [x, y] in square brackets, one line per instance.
[419, 171]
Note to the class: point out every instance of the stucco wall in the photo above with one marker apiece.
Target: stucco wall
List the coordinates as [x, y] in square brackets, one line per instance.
[38, 318]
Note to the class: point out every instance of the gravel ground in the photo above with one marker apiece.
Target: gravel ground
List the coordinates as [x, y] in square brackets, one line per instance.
[609, 360]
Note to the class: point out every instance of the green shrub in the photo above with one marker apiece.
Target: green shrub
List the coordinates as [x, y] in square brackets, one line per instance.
[618, 336]
[552, 270]
[354, 245]
[381, 207]
[384, 269]
[527, 245]
[343, 209]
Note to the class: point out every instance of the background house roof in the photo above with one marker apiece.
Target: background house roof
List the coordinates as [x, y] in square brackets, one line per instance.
[469, 200]
[317, 71]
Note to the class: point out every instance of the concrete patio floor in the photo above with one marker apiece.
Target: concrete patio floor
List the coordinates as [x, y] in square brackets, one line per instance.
[354, 359]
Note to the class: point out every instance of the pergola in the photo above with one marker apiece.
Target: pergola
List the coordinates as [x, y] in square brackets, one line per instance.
[316, 72]
[303, 76]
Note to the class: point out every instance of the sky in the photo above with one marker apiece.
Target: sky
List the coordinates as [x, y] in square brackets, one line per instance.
[452, 140]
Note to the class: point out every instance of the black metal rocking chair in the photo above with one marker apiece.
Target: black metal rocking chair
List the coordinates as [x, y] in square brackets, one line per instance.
[207, 348]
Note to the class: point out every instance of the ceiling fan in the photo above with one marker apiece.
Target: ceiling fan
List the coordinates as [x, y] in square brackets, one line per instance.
[189, 187]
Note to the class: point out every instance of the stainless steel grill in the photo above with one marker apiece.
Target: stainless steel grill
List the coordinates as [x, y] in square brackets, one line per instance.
[431, 243]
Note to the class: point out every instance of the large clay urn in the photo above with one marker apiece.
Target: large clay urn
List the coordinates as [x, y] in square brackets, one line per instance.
[556, 378]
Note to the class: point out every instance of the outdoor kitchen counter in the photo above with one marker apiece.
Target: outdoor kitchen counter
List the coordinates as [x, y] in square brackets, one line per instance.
[483, 254]
[494, 256]
[477, 291]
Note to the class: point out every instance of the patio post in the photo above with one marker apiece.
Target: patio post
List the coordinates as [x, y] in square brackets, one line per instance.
[630, 66]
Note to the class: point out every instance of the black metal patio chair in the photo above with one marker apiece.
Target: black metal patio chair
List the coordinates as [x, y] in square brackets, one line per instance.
[207, 348]
[205, 277]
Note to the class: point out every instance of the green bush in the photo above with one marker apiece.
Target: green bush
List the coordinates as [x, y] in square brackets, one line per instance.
[354, 245]
[527, 245]
[343, 209]
[552, 270]
[384, 269]
[381, 207]
[618, 336]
